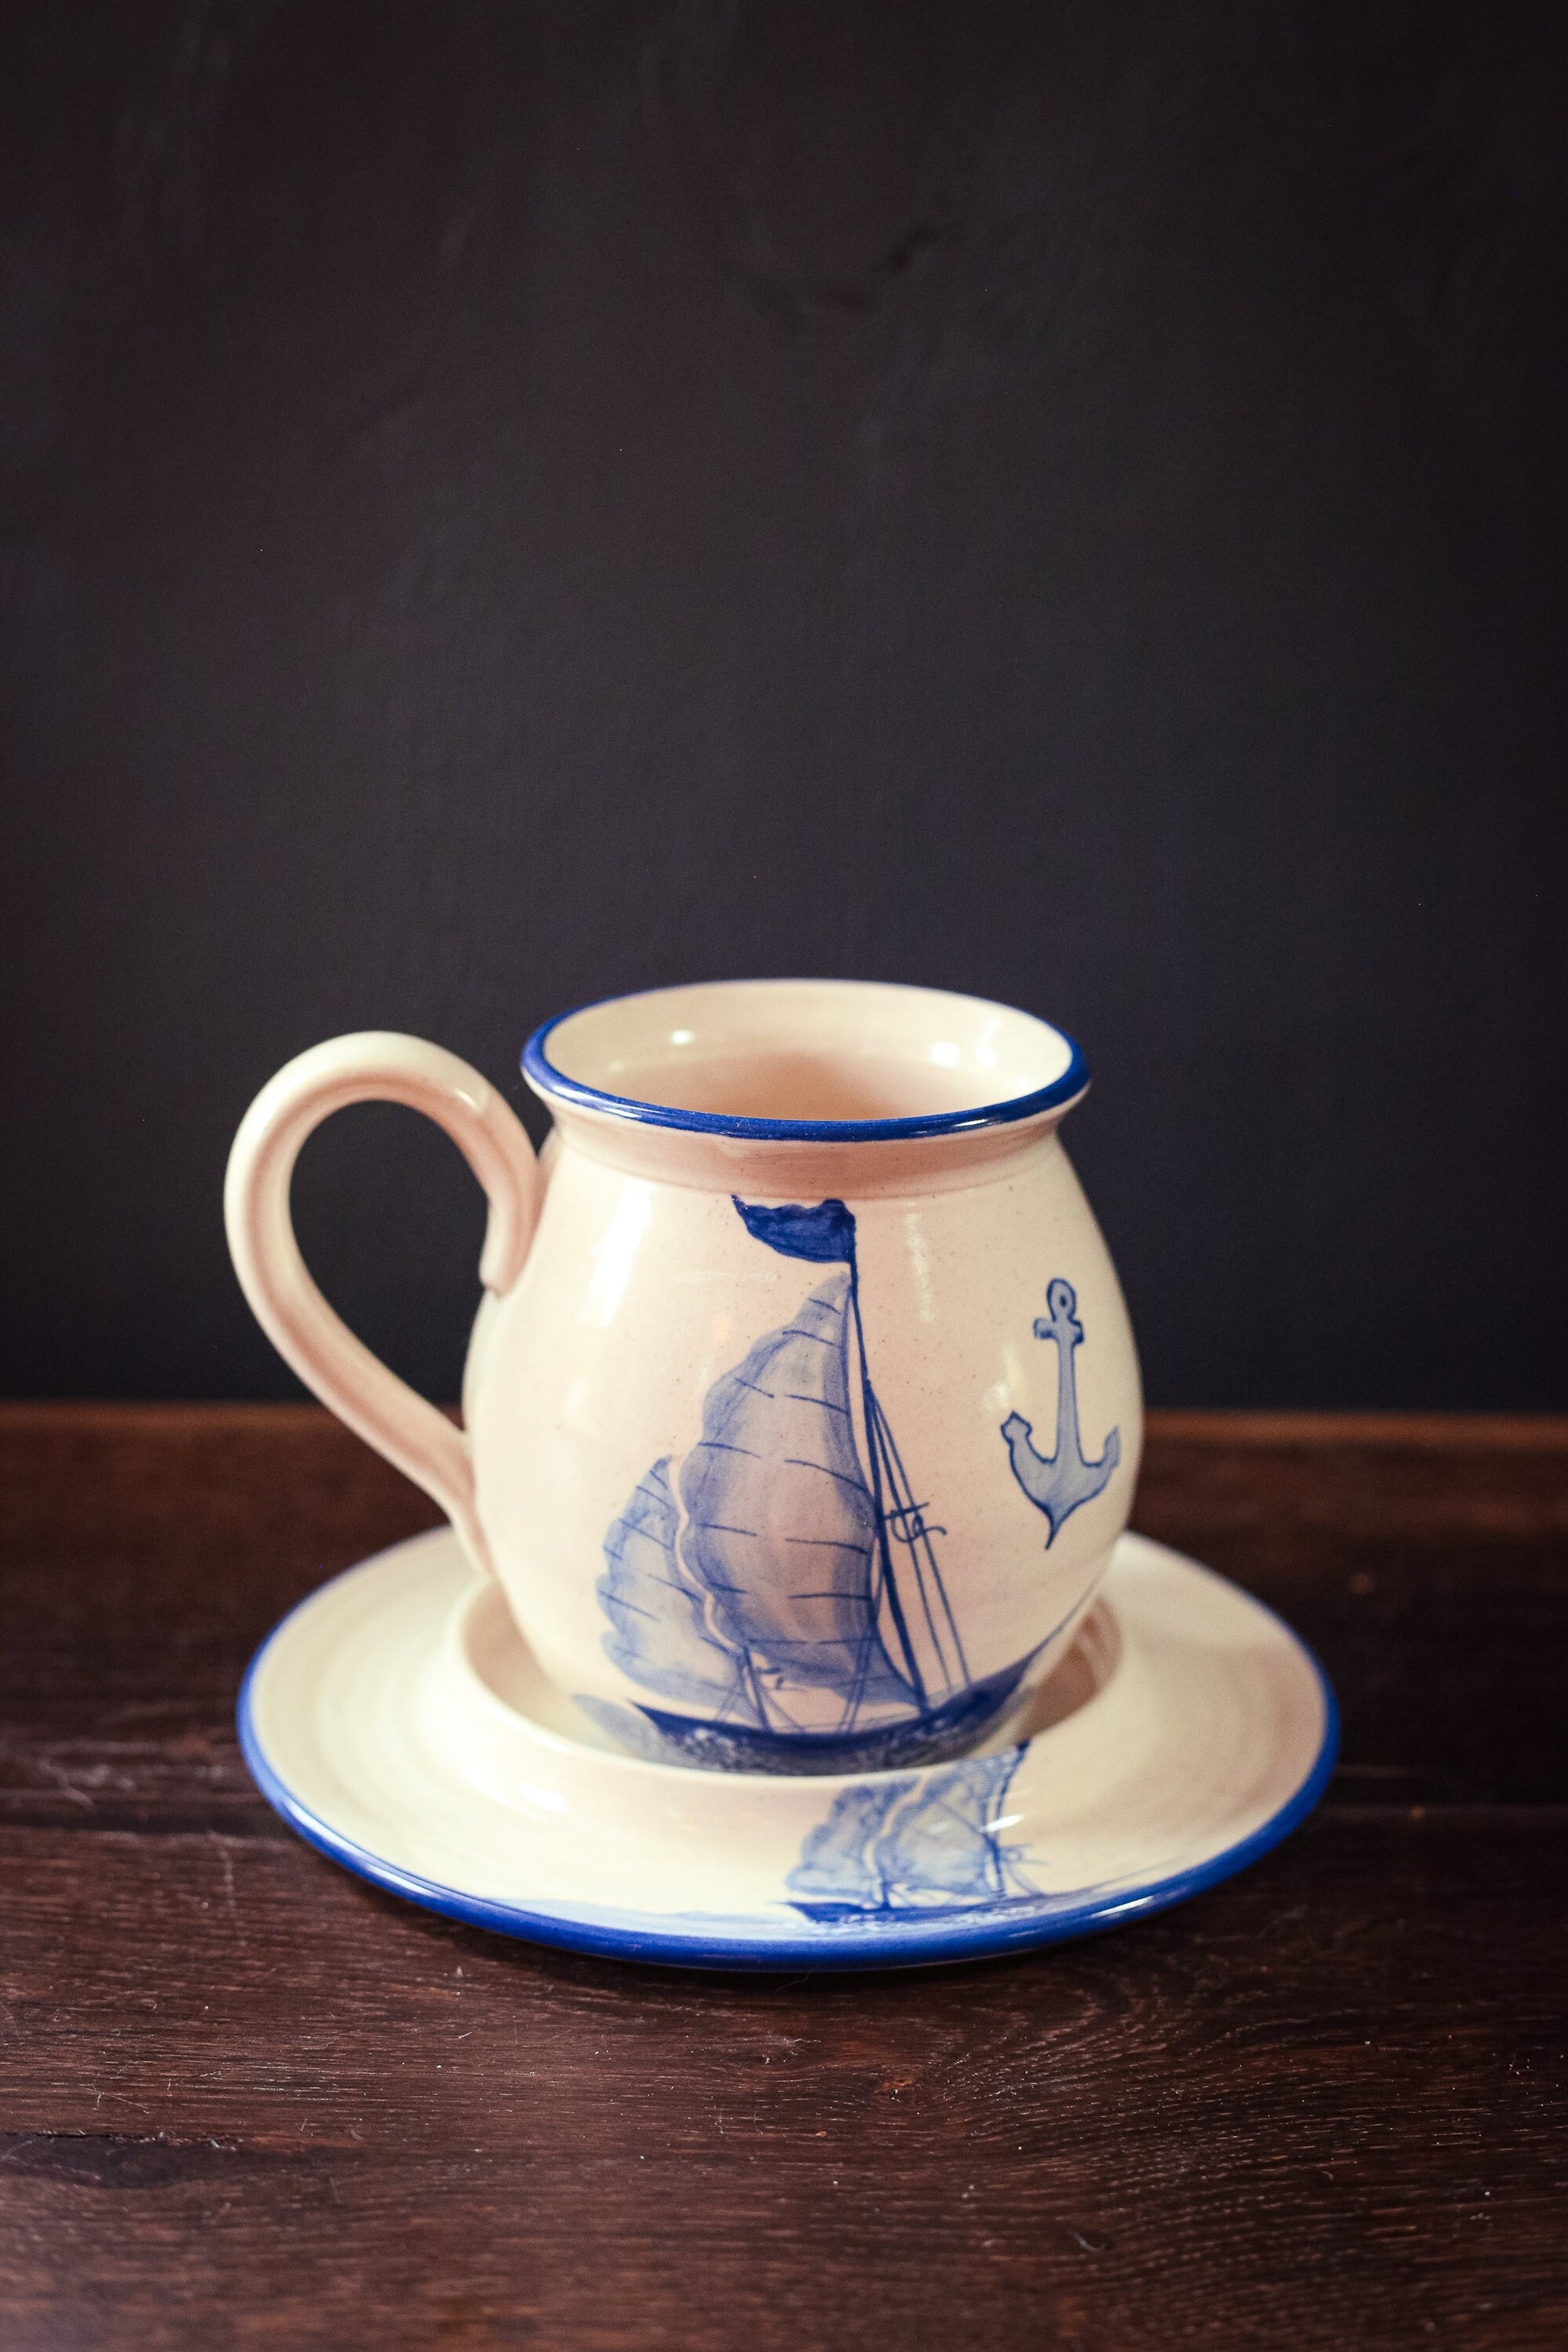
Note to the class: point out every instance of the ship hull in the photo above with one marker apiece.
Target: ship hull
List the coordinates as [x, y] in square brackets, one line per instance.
[932, 1737]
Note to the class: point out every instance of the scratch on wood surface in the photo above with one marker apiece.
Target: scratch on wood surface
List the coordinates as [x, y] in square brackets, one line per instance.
[230, 1904]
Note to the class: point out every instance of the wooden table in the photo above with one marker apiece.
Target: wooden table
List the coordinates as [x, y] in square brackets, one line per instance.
[246, 2099]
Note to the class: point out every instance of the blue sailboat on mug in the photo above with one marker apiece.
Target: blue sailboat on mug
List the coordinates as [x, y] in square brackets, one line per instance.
[785, 1587]
[931, 1846]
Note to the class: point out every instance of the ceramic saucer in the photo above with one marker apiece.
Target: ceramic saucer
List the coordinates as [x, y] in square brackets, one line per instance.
[396, 1720]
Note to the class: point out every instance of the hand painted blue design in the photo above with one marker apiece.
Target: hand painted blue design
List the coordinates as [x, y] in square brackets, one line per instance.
[728, 1744]
[825, 1234]
[780, 1526]
[661, 1632]
[794, 1596]
[1058, 1483]
[929, 1845]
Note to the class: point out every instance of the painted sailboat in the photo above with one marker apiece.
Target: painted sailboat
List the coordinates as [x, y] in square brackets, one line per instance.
[931, 1846]
[783, 1589]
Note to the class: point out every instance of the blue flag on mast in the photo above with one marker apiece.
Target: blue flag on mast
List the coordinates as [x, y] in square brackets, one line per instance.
[825, 1234]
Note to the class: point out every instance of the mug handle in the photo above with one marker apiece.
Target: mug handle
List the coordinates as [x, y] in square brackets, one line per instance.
[376, 1065]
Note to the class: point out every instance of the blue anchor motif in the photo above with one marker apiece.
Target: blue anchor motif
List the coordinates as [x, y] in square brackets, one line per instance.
[1058, 1483]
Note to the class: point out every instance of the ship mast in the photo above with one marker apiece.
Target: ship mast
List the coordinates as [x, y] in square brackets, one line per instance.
[900, 1516]
[906, 1518]
[872, 1412]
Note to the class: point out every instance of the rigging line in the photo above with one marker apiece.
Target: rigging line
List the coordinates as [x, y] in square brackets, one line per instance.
[904, 1813]
[749, 1667]
[906, 1511]
[909, 1514]
[1006, 1856]
[1010, 1854]
[854, 1698]
[936, 1571]
[868, 1401]
[993, 1855]
[870, 1640]
[736, 1695]
[924, 1533]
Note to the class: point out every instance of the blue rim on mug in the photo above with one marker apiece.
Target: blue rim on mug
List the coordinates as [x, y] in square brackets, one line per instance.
[555, 1084]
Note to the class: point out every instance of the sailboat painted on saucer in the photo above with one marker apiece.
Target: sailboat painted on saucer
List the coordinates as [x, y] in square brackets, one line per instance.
[930, 1845]
[783, 1590]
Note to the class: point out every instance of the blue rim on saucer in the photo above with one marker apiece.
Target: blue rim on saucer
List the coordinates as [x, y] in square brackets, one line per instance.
[335, 1707]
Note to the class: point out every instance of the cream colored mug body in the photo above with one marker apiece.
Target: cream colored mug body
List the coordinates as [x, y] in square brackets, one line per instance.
[802, 1409]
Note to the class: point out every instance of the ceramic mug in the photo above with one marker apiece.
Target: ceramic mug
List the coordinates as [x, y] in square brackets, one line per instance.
[802, 1409]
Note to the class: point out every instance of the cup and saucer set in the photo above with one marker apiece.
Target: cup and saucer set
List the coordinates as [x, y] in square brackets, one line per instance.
[786, 1617]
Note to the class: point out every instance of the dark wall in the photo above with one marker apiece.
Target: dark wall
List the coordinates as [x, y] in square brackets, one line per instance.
[506, 504]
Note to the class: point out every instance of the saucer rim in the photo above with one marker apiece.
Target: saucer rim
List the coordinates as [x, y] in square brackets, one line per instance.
[628, 1934]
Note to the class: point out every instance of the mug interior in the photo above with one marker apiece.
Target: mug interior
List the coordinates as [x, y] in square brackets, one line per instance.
[798, 1056]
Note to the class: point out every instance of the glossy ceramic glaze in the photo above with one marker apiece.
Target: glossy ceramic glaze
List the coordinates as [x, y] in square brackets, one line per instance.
[398, 1722]
[802, 1412]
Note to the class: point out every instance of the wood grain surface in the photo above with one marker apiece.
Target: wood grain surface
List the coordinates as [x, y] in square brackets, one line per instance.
[246, 2099]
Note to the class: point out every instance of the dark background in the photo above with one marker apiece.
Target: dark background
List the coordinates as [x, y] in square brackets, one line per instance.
[507, 504]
